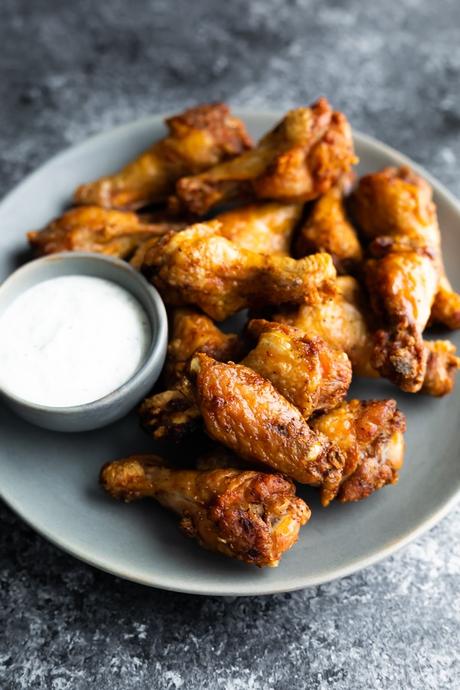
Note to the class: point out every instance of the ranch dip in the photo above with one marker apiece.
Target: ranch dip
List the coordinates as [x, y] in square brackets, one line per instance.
[71, 340]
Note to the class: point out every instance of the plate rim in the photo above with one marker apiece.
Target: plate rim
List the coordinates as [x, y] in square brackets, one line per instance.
[259, 589]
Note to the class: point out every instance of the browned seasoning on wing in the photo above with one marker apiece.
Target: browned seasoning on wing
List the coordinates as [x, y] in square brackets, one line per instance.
[300, 159]
[197, 139]
[251, 516]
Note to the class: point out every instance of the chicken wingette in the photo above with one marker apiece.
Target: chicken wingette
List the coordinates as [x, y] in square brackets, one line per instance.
[404, 272]
[197, 139]
[347, 322]
[99, 230]
[327, 229]
[300, 159]
[370, 436]
[244, 411]
[200, 267]
[252, 516]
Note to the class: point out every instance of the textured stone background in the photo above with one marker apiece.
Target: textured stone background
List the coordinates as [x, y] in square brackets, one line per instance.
[70, 69]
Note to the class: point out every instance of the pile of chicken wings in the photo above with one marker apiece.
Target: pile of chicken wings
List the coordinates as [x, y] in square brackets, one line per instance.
[339, 276]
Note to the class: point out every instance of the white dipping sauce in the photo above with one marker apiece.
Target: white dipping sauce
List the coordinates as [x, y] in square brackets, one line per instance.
[71, 340]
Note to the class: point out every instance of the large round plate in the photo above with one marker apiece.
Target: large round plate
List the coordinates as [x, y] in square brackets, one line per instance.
[50, 479]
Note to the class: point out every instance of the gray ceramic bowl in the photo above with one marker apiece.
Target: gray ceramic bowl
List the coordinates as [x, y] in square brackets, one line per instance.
[118, 403]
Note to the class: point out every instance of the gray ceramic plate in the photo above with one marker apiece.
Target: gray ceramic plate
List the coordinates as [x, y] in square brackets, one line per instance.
[50, 479]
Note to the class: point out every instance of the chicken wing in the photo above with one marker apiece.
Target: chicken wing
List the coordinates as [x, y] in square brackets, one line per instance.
[327, 229]
[405, 272]
[266, 228]
[346, 322]
[310, 373]
[300, 159]
[198, 139]
[95, 229]
[173, 413]
[198, 266]
[193, 332]
[246, 413]
[370, 436]
[252, 516]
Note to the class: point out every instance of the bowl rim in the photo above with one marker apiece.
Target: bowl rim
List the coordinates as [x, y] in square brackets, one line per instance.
[158, 338]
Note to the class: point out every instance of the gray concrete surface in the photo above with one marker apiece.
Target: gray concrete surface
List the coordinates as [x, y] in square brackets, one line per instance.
[70, 69]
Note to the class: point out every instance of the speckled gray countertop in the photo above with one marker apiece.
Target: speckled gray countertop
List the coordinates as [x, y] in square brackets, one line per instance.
[70, 69]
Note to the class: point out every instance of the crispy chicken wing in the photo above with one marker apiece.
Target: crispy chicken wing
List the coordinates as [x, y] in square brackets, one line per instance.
[346, 322]
[266, 228]
[198, 266]
[173, 413]
[309, 372]
[405, 272]
[95, 229]
[370, 435]
[327, 229]
[198, 139]
[300, 159]
[342, 321]
[246, 413]
[252, 516]
[193, 332]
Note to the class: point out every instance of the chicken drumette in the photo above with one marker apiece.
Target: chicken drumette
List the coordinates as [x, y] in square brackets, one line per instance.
[346, 322]
[244, 411]
[198, 139]
[198, 266]
[404, 274]
[95, 229]
[252, 516]
[300, 159]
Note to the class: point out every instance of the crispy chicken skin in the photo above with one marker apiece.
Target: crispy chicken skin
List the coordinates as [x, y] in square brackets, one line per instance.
[327, 229]
[342, 321]
[197, 139]
[300, 159]
[173, 413]
[193, 332]
[310, 373]
[95, 229]
[370, 435]
[198, 266]
[266, 227]
[244, 411]
[346, 322]
[395, 210]
[252, 516]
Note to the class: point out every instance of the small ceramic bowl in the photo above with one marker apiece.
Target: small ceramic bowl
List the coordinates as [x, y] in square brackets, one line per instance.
[115, 405]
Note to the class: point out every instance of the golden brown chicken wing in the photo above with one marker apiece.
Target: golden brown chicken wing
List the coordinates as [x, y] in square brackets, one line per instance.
[173, 413]
[252, 516]
[394, 209]
[346, 322]
[300, 159]
[95, 229]
[266, 228]
[370, 435]
[310, 373]
[193, 332]
[246, 413]
[198, 266]
[327, 229]
[198, 139]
